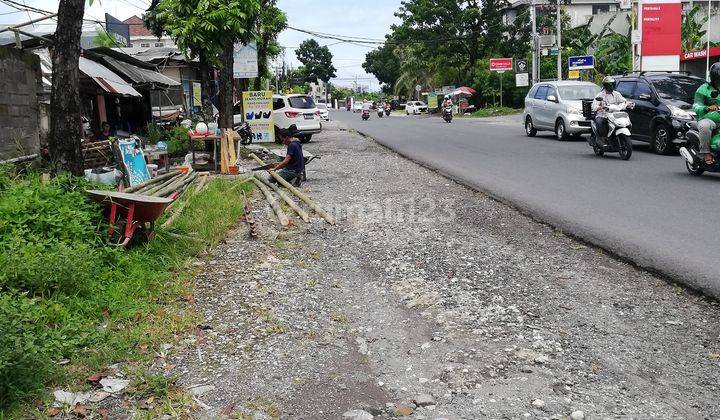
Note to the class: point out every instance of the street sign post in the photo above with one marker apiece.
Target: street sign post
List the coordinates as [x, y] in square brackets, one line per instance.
[521, 66]
[245, 61]
[581, 62]
[521, 73]
[522, 79]
[501, 65]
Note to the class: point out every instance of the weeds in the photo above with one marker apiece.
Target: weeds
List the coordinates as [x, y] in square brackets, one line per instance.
[64, 294]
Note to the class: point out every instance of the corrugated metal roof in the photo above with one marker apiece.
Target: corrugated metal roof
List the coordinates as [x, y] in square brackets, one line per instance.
[139, 75]
[104, 77]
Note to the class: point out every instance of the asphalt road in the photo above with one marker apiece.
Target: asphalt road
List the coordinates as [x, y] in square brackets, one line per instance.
[648, 209]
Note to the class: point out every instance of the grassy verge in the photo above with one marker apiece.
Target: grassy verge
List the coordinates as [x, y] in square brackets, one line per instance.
[70, 305]
[492, 112]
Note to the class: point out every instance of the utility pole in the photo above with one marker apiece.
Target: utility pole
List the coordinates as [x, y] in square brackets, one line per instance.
[559, 42]
[707, 31]
[533, 39]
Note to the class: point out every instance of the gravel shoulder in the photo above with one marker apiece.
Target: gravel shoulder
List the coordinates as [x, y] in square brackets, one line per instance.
[428, 287]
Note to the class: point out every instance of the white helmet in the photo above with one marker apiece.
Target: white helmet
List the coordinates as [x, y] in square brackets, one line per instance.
[201, 128]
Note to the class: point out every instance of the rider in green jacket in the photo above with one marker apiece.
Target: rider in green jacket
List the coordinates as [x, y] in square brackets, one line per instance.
[706, 107]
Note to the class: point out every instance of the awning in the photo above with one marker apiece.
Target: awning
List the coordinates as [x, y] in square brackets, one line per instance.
[109, 81]
[104, 77]
[139, 75]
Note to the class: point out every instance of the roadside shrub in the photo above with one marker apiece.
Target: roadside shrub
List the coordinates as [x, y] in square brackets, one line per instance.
[48, 237]
[154, 133]
[179, 142]
[65, 294]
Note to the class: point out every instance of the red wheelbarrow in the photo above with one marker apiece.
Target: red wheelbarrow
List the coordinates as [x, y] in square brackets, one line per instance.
[129, 213]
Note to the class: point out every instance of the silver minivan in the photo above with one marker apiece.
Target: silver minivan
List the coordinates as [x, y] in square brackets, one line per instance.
[557, 106]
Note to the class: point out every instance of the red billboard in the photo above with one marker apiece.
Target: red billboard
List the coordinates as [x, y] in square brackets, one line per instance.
[501, 64]
[661, 27]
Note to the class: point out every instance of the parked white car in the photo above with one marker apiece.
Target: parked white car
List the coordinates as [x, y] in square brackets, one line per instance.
[298, 109]
[415, 107]
[324, 112]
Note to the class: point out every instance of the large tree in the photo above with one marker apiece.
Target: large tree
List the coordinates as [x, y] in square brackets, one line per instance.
[65, 118]
[383, 64]
[209, 29]
[270, 23]
[317, 61]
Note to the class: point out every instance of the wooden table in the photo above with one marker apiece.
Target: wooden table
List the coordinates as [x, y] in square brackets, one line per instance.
[215, 139]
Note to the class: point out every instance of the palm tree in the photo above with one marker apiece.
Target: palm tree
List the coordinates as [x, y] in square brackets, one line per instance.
[692, 32]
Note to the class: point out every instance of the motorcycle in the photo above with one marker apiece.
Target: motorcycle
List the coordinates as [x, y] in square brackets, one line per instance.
[365, 115]
[694, 162]
[387, 111]
[246, 134]
[380, 113]
[618, 134]
[448, 114]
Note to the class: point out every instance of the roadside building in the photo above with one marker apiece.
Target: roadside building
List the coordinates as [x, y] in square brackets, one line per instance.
[695, 62]
[318, 90]
[188, 95]
[142, 39]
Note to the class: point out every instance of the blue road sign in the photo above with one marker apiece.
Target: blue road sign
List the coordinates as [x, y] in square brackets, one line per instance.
[581, 62]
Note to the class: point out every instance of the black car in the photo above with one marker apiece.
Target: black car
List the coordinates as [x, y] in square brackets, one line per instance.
[663, 103]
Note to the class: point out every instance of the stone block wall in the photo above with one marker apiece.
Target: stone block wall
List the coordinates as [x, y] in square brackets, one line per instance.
[20, 83]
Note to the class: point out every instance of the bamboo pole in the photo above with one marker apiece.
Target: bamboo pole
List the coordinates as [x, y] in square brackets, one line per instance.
[184, 185]
[177, 186]
[171, 185]
[273, 203]
[290, 202]
[181, 207]
[325, 215]
[151, 189]
[249, 219]
[152, 181]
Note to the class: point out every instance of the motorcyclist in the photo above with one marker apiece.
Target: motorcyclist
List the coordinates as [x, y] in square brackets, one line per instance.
[607, 97]
[706, 107]
[447, 102]
[367, 106]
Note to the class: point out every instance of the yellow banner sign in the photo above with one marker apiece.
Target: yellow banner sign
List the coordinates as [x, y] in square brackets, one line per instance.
[257, 111]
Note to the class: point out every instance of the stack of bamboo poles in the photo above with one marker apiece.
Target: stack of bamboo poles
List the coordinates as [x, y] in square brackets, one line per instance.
[267, 189]
[165, 185]
[170, 183]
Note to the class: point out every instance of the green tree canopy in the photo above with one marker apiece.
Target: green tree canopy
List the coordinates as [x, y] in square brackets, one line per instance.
[270, 23]
[209, 29]
[383, 64]
[317, 61]
[205, 27]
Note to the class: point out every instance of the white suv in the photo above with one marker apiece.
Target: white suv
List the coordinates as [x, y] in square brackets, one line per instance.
[295, 109]
[415, 107]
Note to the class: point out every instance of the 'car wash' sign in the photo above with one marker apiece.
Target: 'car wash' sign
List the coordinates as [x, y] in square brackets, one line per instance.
[581, 62]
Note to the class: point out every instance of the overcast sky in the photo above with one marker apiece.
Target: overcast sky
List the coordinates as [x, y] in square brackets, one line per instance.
[363, 18]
